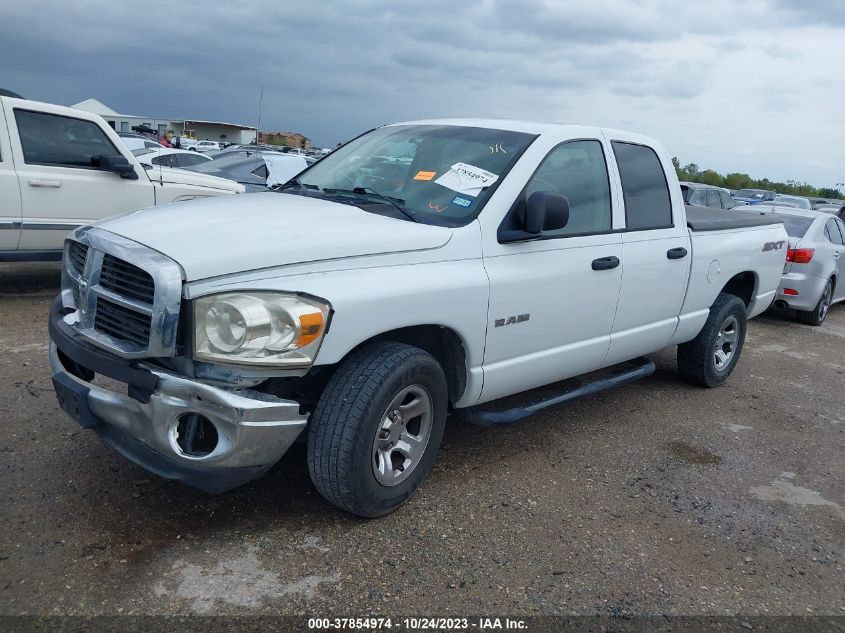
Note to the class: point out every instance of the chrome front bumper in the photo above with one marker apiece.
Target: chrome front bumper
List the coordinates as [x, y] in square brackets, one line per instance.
[253, 430]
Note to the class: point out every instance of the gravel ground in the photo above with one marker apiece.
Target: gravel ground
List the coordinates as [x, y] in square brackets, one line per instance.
[656, 498]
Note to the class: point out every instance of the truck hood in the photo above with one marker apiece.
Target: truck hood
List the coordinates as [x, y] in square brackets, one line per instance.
[176, 176]
[230, 234]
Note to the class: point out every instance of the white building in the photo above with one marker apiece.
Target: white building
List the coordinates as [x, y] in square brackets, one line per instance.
[202, 130]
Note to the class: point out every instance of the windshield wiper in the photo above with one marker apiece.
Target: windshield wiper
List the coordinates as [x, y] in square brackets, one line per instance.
[396, 203]
[296, 182]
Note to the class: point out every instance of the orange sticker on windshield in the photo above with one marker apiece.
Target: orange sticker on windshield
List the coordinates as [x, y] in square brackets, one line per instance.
[425, 175]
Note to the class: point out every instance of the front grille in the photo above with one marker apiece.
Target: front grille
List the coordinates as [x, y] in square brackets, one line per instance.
[127, 296]
[127, 280]
[77, 253]
[121, 323]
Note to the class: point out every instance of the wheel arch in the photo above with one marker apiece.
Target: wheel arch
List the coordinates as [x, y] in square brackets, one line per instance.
[445, 344]
[742, 285]
[442, 342]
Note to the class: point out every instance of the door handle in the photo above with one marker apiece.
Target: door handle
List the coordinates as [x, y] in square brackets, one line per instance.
[51, 184]
[605, 263]
[676, 253]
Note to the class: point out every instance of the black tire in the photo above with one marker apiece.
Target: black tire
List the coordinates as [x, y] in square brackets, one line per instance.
[697, 359]
[819, 313]
[350, 411]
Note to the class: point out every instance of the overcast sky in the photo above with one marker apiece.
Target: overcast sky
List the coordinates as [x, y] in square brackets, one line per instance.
[755, 86]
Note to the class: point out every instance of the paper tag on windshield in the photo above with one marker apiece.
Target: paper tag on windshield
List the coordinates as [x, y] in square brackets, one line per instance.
[467, 179]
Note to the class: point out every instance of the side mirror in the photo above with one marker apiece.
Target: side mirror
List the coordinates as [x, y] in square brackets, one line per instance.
[543, 211]
[118, 165]
[546, 211]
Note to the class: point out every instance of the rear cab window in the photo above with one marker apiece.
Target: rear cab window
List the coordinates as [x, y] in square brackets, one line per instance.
[648, 204]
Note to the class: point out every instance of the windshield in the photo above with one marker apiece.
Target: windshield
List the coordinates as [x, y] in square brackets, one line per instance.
[796, 225]
[431, 173]
[750, 193]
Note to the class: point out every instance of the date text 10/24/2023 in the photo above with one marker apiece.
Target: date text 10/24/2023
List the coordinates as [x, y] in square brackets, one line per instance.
[417, 624]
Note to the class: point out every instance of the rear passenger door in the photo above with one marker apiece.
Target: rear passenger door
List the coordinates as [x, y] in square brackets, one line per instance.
[655, 253]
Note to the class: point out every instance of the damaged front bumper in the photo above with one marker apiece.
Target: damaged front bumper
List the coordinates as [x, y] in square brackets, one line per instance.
[156, 422]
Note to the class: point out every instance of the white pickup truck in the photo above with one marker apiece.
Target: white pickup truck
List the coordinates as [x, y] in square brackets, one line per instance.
[61, 168]
[423, 268]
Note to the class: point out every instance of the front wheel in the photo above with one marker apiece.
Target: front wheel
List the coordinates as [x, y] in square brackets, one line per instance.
[710, 357]
[819, 313]
[377, 427]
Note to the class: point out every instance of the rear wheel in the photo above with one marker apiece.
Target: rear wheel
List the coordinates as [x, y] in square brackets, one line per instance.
[710, 357]
[376, 429]
[819, 313]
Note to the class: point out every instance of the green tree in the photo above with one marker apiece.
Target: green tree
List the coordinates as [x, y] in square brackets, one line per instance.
[736, 180]
[692, 171]
[710, 177]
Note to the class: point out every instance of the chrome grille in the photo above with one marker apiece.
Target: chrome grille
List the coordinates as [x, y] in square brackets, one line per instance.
[77, 253]
[122, 323]
[126, 296]
[127, 280]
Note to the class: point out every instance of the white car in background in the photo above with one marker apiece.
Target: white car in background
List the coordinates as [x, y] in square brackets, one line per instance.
[136, 141]
[205, 146]
[169, 157]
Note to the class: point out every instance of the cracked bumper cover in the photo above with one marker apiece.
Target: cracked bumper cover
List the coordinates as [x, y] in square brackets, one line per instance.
[254, 430]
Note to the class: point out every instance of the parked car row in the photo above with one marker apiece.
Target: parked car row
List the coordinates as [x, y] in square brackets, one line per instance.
[814, 274]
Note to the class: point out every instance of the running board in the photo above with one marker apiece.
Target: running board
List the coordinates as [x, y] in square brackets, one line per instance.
[476, 415]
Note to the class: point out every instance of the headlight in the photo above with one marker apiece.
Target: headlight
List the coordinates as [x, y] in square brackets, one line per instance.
[259, 328]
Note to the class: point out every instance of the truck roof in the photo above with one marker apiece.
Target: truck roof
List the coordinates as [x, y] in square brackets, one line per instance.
[529, 127]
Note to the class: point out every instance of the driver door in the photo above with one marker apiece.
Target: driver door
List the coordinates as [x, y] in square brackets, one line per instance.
[553, 301]
[60, 188]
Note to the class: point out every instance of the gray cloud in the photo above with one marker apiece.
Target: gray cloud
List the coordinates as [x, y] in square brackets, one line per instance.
[334, 69]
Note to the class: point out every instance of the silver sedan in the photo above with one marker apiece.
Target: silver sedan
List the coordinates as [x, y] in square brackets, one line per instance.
[814, 273]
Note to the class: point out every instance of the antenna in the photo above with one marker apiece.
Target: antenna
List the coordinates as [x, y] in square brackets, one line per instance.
[260, 103]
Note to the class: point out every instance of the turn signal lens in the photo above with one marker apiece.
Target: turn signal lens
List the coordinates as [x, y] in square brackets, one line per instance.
[800, 255]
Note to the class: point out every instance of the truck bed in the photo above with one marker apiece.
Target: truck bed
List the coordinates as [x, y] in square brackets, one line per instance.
[707, 219]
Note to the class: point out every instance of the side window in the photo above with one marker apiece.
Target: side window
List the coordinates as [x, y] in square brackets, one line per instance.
[713, 199]
[261, 171]
[832, 232]
[841, 226]
[188, 160]
[698, 198]
[51, 139]
[727, 201]
[647, 201]
[578, 171]
[160, 160]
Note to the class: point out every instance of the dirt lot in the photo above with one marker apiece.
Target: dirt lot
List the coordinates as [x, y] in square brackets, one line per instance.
[657, 498]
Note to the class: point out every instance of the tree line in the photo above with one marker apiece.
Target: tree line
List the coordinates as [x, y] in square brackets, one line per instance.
[736, 180]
